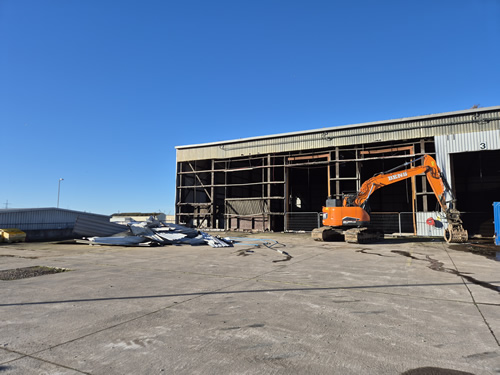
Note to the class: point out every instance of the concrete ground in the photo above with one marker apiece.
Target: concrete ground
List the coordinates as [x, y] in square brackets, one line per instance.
[388, 308]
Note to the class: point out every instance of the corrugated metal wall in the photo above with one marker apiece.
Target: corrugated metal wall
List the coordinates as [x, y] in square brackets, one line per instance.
[87, 226]
[468, 142]
[426, 230]
[41, 218]
[477, 120]
[242, 206]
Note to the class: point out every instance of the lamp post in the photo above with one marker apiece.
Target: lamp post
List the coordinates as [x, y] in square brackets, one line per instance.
[59, 191]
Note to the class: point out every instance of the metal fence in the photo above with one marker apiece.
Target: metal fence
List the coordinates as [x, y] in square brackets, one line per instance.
[302, 221]
[393, 222]
[389, 222]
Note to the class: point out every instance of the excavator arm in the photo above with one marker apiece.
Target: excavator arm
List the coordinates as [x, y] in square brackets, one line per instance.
[429, 167]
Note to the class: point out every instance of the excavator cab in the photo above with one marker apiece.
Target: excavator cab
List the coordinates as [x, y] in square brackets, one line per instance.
[344, 212]
[343, 220]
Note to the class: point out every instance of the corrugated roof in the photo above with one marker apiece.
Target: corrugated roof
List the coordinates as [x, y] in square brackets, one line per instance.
[466, 121]
[38, 209]
[349, 127]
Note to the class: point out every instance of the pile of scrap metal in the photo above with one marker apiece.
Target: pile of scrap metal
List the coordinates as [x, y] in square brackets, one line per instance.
[159, 233]
[151, 233]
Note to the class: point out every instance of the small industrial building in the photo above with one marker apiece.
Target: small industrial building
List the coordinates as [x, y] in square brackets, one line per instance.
[48, 224]
[280, 182]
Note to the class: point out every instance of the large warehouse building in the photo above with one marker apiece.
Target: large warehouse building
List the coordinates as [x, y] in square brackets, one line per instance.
[280, 182]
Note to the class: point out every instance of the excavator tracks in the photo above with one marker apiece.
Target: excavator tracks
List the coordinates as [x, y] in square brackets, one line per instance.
[363, 235]
[453, 234]
[353, 235]
[327, 234]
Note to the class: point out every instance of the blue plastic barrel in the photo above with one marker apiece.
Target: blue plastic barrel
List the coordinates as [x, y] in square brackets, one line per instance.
[496, 212]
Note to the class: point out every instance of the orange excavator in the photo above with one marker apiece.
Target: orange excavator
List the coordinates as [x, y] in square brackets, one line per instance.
[348, 217]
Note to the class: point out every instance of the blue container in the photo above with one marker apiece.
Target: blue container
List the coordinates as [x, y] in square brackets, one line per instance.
[496, 213]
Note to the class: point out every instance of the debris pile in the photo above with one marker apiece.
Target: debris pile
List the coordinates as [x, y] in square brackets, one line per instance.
[158, 233]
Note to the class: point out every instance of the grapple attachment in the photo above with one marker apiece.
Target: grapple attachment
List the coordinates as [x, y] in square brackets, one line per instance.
[455, 233]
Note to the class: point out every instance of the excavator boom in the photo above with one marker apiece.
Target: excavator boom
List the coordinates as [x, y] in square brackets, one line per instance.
[429, 167]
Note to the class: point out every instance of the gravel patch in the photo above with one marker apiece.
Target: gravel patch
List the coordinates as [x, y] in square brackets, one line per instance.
[23, 273]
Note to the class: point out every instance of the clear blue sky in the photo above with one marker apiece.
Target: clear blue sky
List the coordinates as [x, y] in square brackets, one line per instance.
[99, 92]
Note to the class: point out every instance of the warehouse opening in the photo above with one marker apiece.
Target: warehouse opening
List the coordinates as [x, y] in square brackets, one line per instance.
[476, 180]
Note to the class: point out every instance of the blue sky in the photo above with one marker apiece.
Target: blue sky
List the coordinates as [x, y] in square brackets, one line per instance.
[100, 92]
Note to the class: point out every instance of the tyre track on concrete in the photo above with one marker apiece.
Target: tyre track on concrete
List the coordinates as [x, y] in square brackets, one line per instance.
[472, 298]
[302, 287]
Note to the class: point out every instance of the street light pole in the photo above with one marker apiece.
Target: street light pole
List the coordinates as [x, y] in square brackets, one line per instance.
[59, 191]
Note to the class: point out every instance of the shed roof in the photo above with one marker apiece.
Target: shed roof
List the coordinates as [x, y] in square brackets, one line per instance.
[46, 209]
